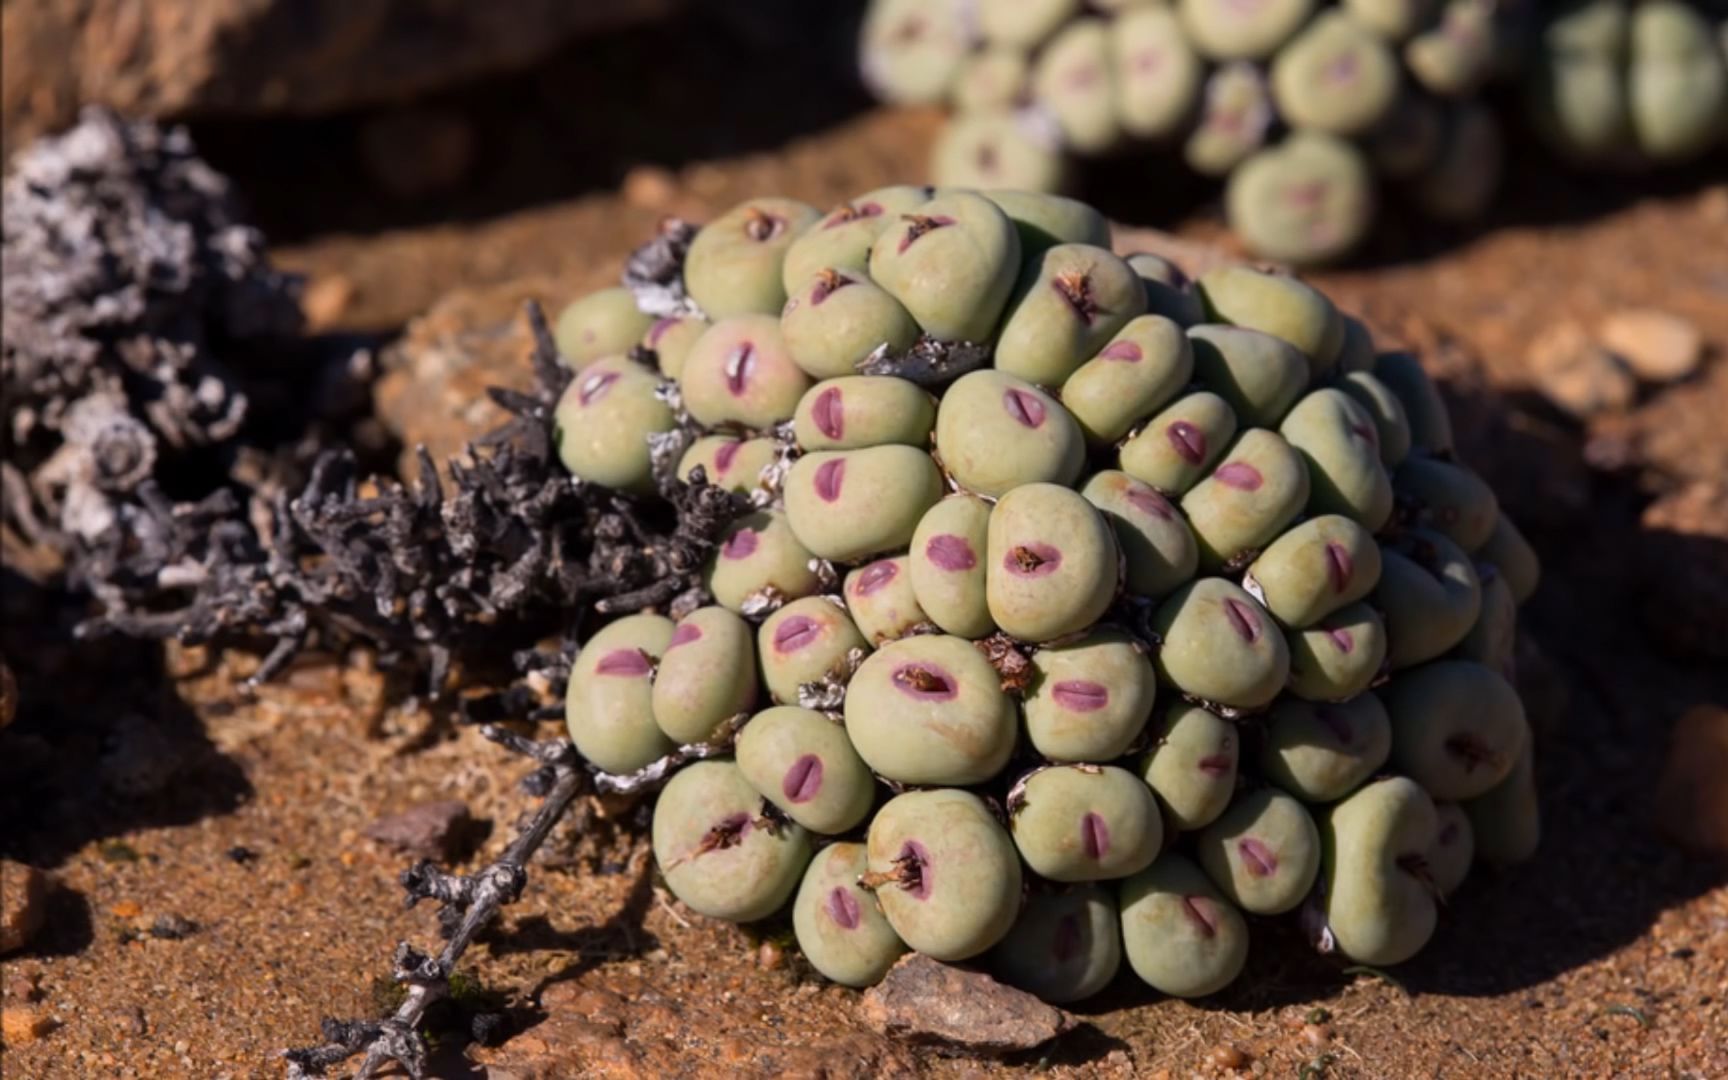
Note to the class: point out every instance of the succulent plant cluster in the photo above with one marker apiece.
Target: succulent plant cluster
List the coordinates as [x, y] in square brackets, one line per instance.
[1086, 613]
[1302, 107]
[1631, 84]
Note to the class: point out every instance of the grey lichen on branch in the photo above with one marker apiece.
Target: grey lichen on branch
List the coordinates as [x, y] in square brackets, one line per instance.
[516, 546]
[468, 903]
[129, 272]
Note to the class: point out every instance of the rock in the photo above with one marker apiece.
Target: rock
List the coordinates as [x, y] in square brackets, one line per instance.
[434, 388]
[1657, 346]
[172, 927]
[23, 1025]
[650, 187]
[1579, 376]
[142, 757]
[325, 301]
[174, 57]
[929, 1001]
[1692, 796]
[431, 830]
[1684, 569]
[23, 904]
[8, 695]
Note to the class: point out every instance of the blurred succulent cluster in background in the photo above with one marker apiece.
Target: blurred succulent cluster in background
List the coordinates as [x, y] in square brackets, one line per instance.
[1308, 112]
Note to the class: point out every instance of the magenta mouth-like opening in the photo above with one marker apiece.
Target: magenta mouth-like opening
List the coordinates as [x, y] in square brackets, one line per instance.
[1217, 764]
[925, 682]
[658, 330]
[740, 368]
[950, 552]
[1080, 695]
[803, 780]
[829, 414]
[684, 634]
[1188, 441]
[916, 873]
[1125, 351]
[728, 832]
[1081, 77]
[829, 476]
[724, 455]
[1342, 639]
[843, 908]
[1094, 835]
[1148, 502]
[796, 632]
[595, 386]
[1257, 857]
[1200, 914]
[1339, 566]
[1032, 560]
[921, 224]
[626, 662]
[741, 544]
[875, 577]
[1242, 620]
[1024, 407]
[1239, 475]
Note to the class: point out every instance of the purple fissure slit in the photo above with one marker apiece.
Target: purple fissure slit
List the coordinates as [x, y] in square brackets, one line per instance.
[950, 552]
[803, 780]
[843, 908]
[795, 633]
[627, 662]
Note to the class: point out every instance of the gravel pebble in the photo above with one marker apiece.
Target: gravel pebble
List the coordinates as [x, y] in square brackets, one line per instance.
[927, 1000]
[1579, 376]
[1692, 798]
[23, 895]
[430, 830]
[23, 1025]
[1657, 346]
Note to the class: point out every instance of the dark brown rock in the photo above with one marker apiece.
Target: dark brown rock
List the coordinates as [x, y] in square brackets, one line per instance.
[173, 57]
[431, 830]
[1577, 375]
[8, 694]
[23, 903]
[1692, 796]
[929, 1001]
[1685, 569]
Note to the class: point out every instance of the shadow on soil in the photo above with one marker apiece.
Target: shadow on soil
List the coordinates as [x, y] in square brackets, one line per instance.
[1621, 674]
[724, 79]
[102, 745]
[621, 936]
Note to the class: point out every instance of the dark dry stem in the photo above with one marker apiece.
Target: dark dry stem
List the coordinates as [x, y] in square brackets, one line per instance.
[470, 902]
[497, 554]
[929, 363]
